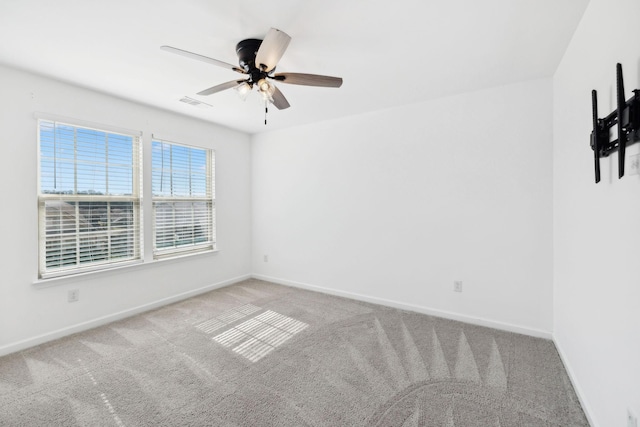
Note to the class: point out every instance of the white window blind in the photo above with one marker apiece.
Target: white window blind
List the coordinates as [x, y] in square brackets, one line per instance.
[183, 199]
[89, 199]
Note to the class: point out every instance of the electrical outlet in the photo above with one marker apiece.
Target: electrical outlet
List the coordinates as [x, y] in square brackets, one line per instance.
[634, 164]
[73, 295]
[266, 258]
[457, 286]
[632, 420]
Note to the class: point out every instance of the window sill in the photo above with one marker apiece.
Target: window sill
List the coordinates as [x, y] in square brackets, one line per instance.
[61, 280]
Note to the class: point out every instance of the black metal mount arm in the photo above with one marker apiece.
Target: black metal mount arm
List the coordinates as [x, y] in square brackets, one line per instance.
[626, 116]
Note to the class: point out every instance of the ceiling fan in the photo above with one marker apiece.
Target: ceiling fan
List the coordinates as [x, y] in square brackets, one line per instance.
[258, 60]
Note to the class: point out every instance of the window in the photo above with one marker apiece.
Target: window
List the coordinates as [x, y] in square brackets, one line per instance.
[183, 199]
[88, 199]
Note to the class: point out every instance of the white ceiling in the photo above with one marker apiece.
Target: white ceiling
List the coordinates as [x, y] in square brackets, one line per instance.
[388, 52]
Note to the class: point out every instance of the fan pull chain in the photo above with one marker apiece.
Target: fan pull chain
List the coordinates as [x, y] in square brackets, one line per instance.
[266, 110]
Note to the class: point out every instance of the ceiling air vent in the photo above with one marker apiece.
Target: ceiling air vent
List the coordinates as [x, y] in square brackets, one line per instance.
[195, 102]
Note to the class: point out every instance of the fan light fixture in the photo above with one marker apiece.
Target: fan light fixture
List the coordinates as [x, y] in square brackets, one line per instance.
[266, 89]
[263, 85]
[243, 90]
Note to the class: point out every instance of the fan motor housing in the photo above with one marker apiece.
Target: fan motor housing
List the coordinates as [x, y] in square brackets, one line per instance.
[246, 51]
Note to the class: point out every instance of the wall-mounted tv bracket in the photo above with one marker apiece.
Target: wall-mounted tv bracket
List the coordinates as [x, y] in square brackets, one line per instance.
[626, 116]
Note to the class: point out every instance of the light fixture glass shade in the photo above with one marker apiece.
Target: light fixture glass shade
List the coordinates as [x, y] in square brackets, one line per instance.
[266, 89]
[243, 90]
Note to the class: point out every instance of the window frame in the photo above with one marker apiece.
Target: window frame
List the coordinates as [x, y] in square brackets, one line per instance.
[135, 229]
[175, 251]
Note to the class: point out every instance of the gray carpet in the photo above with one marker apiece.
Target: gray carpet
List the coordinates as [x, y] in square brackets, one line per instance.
[260, 354]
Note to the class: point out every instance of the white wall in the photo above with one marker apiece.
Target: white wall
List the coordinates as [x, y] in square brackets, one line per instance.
[597, 227]
[33, 313]
[395, 205]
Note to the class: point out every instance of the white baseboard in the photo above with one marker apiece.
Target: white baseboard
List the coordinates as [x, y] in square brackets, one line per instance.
[50, 336]
[411, 307]
[576, 385]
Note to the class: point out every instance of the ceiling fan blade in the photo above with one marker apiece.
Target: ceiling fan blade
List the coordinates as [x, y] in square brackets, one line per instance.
[279, 100]
[308, 79]
[271, 49]
[220, 87]
[202, 58]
